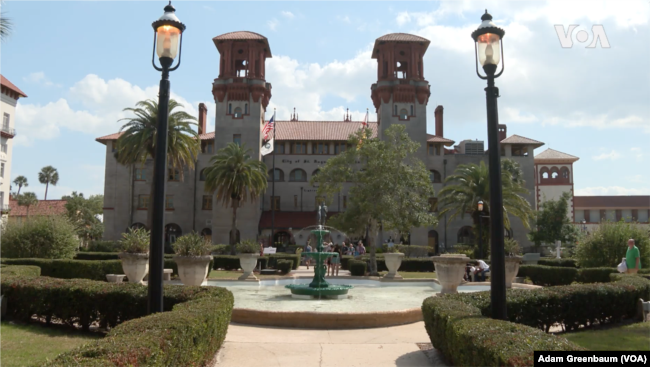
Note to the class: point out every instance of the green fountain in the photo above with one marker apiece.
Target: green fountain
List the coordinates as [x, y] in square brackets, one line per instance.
[319, 288]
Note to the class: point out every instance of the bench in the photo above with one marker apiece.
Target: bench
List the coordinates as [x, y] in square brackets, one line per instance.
[487, 276]
[167, 274]
[115, 278]
[531, 258]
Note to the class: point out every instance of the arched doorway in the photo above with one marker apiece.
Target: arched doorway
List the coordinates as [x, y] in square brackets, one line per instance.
[207, 234]
[433, 241]
[465, 236]
[172, 232]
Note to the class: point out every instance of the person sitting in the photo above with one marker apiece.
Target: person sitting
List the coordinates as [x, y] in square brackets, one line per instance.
[469, 271]
[481, 270]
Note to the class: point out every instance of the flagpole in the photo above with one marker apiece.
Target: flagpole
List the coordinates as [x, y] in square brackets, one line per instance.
[273, 187]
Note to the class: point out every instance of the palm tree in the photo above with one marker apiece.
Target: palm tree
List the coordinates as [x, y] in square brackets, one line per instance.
[470, 184]
[48, 175]
[138, 140]
[27, 199]
[237, 178]
[5, 26]
[20, 181]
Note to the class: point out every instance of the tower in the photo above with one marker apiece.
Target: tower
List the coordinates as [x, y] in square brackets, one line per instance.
[401, 93]
[241, 95]
[553, 177]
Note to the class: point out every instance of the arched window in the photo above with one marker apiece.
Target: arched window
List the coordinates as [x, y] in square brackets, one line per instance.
[564, 173]
[544, 173]
[465, 236]
[202, 175]
[435, 176]
[172, 232]
[555, 173]
[237, 113]
[298, 175]
[403, 115]
[279, 175]
[281, 238]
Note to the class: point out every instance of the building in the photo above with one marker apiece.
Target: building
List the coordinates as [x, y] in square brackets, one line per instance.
[20, 214]
[8, 101]
[242, 93]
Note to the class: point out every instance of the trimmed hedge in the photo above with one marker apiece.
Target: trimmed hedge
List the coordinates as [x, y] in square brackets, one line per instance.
[595, 275]
[284, 266]
[557, 275]
[230, 262]
[358, 268]
[103, 246]
[96, 256]
[467, 338]
[567, 263]
[21, 270]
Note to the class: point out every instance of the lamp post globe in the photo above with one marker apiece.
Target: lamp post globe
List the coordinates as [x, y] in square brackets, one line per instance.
[167, 44]
[488, 47]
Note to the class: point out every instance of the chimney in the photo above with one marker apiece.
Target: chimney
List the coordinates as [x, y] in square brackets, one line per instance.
[503, 132]
[438, 115]
[203, 114]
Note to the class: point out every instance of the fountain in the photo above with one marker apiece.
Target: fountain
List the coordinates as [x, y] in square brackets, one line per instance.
[319, 288]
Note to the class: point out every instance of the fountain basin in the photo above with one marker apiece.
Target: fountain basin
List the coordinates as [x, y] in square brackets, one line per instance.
[304, 291]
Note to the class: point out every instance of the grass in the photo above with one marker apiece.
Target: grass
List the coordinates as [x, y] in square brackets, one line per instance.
[622, 338]
[234, 274]
[26, 345]
[413, 275]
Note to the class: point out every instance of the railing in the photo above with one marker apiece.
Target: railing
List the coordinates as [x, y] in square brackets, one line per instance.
[8, 130]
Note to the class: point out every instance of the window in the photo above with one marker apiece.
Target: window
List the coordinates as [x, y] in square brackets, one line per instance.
[435, 177]
[395, 110]
[611, 215]
[519, 151]
[174, 174]
[207, 202]
[299, 148]
[642, 215]
[412, 114]
[169, 202]
[143, 201]
[246, 109]
[320, 148]
[564, 173]
[430, 149]
[594, 216]
[403, 115]
[3, 148]
[626, 214]
[2, 171]
[230, 108]
[279, 175]
[5, 121]
[236, 138]
[580, 215]
[237, 113]
[295, 201]
[202, 175]
[433, 204]
[140, 174]
[275, 203]
[345, 202]
[278, 147]
[298, 175]
[208, 147]
[434, 149]
[340, 147]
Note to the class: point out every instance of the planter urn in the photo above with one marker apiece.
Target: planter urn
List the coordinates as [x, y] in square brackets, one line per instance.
[193, 270]
[450, 269]
[248, 263]
[135, 266]
[393, 262]
[512, 268]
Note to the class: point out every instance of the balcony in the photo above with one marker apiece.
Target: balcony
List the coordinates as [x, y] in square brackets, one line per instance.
[4, 208]
[7, 132]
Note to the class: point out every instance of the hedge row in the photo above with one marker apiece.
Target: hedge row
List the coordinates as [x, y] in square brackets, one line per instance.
[557, 275]
[105, 256]
[358, 268]
[567, 263]
[422, 265]
[8, 270]
[231, 262]
[467, 338]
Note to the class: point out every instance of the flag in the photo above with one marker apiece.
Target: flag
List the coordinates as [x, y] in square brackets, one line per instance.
[268, 128]
[267, 147]
[364, 123]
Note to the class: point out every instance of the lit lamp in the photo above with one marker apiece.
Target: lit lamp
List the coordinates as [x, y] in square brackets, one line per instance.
[480, 229]
[480, 205]
[488, 46]
[167, 41]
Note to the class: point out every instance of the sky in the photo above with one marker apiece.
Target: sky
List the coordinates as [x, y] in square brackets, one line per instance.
[81, 63]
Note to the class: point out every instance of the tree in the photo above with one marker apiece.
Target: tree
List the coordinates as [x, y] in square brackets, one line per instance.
[470, 184]
[48, 175]
[27, 199]
[552, 223]
[608, 244]
[237, 178]
[83, 213]
[391, 187]
[20, 181]
[138, 139]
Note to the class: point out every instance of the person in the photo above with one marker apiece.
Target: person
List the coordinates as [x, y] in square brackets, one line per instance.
[329, 248]
[336, 260]
[361, 249]
[390, 241]
[480, 270]
[469, 270]
[351, 249]
[632, 257]
[308, 249]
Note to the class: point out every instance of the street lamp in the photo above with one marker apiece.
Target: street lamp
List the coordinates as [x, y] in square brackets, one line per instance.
[167, 41]
[488, 42]
[584, 225]
[480, 229]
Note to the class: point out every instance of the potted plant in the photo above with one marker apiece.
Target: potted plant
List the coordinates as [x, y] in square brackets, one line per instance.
[135, 254]
[193, 258]
[248, 252]
[393, 258]
[512, 259]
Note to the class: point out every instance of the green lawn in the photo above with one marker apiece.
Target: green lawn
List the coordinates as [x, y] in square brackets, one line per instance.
[413, 275]
[622, 338]
[26, 345]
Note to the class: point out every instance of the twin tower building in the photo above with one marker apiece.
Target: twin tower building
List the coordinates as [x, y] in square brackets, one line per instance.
[242, 93]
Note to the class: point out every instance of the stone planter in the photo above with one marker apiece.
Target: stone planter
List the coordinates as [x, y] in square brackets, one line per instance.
[393, 262]
[135, 266]
[248, 263]
[512, 268]
[193, 270]
[450, 269]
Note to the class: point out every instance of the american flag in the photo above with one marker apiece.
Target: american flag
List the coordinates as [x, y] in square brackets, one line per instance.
[268, 127]
[364, 123]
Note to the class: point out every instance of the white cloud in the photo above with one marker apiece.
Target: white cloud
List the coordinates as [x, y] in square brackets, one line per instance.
[613, 155]
[516, 116]
[39, 78]
[610, 190]
[344, 18]
[287, 14]
[638, 153]
[637, 178]
[273, 24]
[403, 18]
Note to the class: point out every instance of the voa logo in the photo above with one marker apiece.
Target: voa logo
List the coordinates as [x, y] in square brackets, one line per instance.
[582, 36]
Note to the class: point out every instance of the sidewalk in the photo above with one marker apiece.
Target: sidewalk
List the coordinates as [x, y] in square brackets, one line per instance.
[253, 346]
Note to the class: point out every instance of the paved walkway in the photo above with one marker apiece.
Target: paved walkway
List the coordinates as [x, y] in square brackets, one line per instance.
[253, 346]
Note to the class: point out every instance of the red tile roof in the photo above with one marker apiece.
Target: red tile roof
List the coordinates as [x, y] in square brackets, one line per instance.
[439, 139]
[243, 36]
[6, 83]
[402, 37]
[554, 156]
[319, 130]
[286, 220]
[516, 139]
[115, 136]
[617, 202]
[44, 207]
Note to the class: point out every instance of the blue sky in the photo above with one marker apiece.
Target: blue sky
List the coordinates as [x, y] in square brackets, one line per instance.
[81, 63]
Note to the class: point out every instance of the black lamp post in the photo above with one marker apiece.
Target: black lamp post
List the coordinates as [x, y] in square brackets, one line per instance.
[488, 52]
[167, 41]
[480, 229]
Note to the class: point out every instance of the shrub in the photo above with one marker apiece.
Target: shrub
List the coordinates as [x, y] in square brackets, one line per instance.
[96, 256]
[548, 275]
[358, 268]
[608, 244]
[69, 269]
[274, 258]
[103, 246]
[414, 251]
[511, 247]
[248, 247]
[467, 338]
[44, 237]
[284, 266]
[21, 270]
[136, 241]
[467, 250]
[595, 275]
[192, 244]
[568, 263]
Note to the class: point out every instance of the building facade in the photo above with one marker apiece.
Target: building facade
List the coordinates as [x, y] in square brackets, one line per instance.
[8, 100]
[241, 93]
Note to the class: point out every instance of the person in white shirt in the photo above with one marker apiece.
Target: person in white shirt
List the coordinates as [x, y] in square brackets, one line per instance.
[480, 270]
